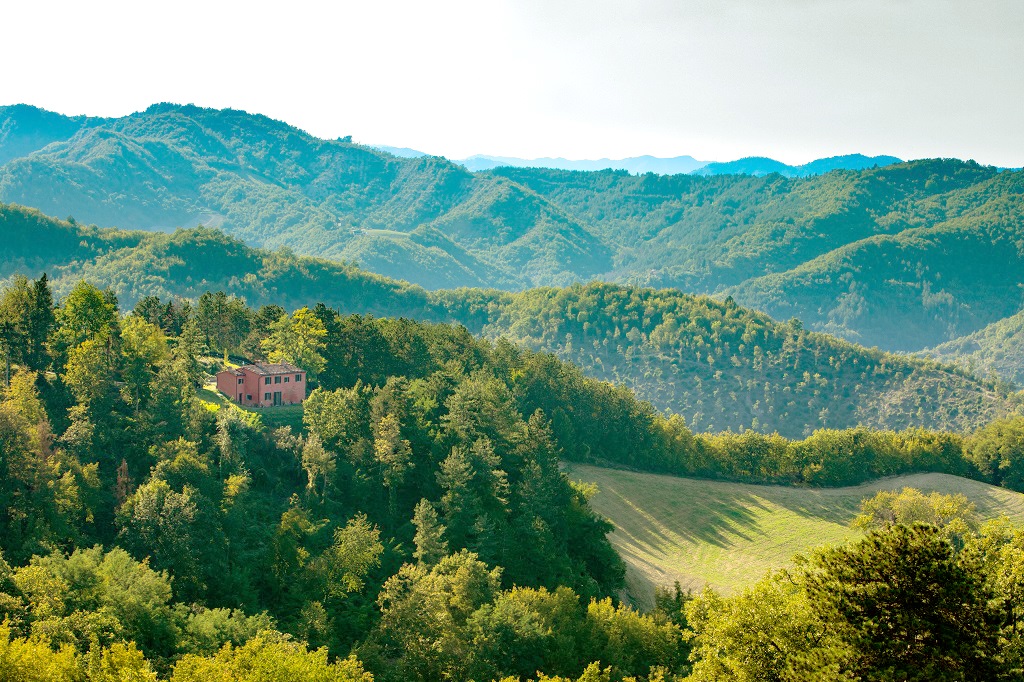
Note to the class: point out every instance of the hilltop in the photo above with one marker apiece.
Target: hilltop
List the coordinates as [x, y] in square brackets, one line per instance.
[890, 255]
[728, 535]
[717, 364]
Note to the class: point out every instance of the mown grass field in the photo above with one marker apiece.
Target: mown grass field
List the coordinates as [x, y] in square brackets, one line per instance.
[728, 535]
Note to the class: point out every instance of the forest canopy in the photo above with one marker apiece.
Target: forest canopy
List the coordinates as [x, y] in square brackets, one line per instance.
[149, 526]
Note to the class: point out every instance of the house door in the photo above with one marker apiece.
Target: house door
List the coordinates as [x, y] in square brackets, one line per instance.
[277, 398]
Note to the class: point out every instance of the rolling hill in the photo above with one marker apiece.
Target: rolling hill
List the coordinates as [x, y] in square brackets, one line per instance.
[880, 255]
[728, 535]
[996, 349]
[273, 185]
[923, 285]
[717, 364]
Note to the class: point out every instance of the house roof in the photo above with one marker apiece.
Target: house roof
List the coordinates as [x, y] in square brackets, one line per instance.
[268, 370]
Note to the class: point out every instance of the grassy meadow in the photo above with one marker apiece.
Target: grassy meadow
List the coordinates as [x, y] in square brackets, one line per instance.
[728, 535]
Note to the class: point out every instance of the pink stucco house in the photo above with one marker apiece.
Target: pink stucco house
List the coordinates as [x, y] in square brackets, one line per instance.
[262, 385]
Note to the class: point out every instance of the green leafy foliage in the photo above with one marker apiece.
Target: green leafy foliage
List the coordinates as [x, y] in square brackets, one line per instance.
[997, 349]
[900, 604]
[717, 365]
[419, 518]
[903, 256]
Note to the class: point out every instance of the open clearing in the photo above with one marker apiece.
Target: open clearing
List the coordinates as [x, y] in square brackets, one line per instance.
[273, 417]
[728, 535]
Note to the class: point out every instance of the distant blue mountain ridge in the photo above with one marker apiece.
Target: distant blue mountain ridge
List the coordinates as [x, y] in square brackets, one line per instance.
[757, 166]
[760, 166]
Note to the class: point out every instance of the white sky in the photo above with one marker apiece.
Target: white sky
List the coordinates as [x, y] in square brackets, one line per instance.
[716, 79]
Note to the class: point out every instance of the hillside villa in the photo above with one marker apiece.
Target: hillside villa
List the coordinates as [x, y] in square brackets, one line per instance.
[263, 385]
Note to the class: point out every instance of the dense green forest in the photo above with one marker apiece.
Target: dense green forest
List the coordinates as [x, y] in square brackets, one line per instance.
[997, 349]
[416, 525]
[951, 277]
[716, 364]
[902, 257]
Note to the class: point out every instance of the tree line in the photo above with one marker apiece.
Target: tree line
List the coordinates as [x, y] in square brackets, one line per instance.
[147, 527]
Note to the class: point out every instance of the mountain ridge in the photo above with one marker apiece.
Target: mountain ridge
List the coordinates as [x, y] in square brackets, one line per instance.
[714, 363]
[432, 221]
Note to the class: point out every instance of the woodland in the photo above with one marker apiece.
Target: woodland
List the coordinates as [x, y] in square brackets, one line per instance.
[903, 256]
[469, 338]
[149, 529]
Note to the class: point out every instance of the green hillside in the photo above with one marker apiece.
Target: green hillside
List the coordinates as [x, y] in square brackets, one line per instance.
[718, 365]
[728, 535]
[25, 129]
[995, 349]
[903, 257]
[273, 185]
[923, 285]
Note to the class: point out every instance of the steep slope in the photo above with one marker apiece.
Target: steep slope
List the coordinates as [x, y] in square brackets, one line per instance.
[273, 185]
[425, 256]
[997, 348]
[716, 364]
[921, 286]
[723, 366]
[854, 252]
[25, 129]
[522, 230]
[704, 234]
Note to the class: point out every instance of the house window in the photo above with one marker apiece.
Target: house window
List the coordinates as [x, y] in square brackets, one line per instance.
[298, 377]
[287, 379]
[248, 397]
[277, 380]
[241, 381]
[267, 380]
[266, 396]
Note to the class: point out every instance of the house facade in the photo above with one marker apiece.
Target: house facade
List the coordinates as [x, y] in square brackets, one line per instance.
[263, 385]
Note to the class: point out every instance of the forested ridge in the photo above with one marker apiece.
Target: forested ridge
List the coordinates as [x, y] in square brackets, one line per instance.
[716, 364]
[413, 519]
[997, 349]
[895, 256]
[415, 524]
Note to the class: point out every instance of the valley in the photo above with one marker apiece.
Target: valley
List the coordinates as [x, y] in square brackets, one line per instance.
[533, 400]
[900, 256]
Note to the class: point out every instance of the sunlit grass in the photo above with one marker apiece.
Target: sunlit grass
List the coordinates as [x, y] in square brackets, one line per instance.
[728, 535]
[273, 417]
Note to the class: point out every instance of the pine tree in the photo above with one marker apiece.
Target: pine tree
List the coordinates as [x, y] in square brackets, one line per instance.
[429, 538]
[38, 325]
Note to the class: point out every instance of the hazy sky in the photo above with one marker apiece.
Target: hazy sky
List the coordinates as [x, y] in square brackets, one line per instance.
[716, 79]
